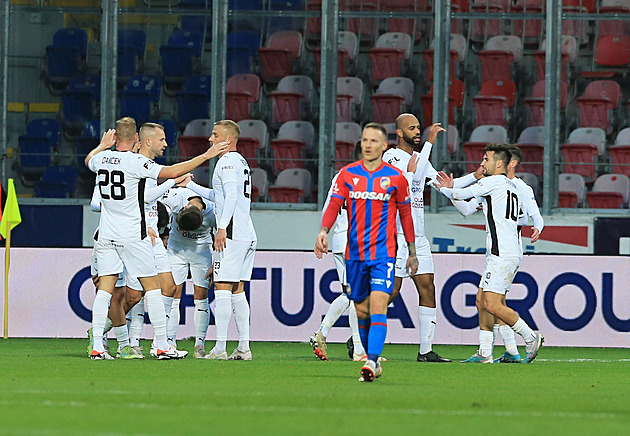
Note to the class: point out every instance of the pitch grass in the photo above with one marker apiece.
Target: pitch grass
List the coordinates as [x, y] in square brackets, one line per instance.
[50, 387]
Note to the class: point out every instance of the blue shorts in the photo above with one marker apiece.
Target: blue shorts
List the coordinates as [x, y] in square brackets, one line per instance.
[365, 276]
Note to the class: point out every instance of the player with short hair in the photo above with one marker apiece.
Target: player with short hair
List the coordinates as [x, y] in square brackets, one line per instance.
[234, 243]
[501, 205]
[374, 192]
[123, 241]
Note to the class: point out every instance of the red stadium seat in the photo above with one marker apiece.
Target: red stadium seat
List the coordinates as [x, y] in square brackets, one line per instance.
[612, 27]
[291, 99]
[535, 105]
[294, 137]
[530, 30]
[572, 190]
[611, 51]
[484, 28]
[388, 56]
[346, 137]
[456, 92]
[479, 139]
[610, 191]
[579, 159]
[498, 55]
[347, 47]
[568, 54]
[292, 186]
[620, 158]
[283, 50]
[493, 102]
[242, 92]
[393, 96]
[253, 137]
[364, 28]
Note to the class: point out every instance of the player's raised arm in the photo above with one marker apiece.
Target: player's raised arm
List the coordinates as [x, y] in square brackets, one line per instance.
[178, 169]
[107, 141]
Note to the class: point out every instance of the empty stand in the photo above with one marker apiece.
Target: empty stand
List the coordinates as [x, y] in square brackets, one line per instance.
[600, 99]
[571, 190]
[178, 55]
[349, 98]
[131, 47]
[498, 55]
[293, 185]
[458, 49]
[581, 151]
[65, 57]
[610, 191]
[531, 142]
[569, 51]
[36, 145]
[347, 48]
[482, 136]
[393, 96]
[58, 181]
[281, 55]
[535, 104]
[253, 138]
[346, 137]
[612, 56]
[242, 96]
[140, 98]
[260, 184]
[293, 139]
[388, 55]
[456, 95]
[242, 47]
[494, 101]
[291, 100]
[193, 100]
[80, 102]
[195, 139]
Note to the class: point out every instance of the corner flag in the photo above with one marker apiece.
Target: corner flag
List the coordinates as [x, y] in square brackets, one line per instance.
[11, 213]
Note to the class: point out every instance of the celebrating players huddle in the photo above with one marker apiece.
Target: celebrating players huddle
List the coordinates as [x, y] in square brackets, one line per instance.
[130, 261]
[376, 202]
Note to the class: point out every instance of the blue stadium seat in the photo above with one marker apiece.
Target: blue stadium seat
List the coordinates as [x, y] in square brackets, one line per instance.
[197, 23]
[177, 56]
[65, 57]
[41, 137]
[193, 100]
[140, 97]
[80, 103]
[170, 131]
[86, 142]
[131, 48]
[242, 46]
[58, 181]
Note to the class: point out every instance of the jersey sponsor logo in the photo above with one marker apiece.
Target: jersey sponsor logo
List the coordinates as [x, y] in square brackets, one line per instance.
[416, 189]
[385, 182]
[363, 195]
[148, 164]
[392, 160]
[227, 167]
[355, 180]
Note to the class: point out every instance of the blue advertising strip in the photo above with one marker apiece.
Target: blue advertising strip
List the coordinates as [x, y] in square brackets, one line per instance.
[49, 226]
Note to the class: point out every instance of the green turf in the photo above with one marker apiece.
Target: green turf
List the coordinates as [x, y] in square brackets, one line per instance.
[50, 387]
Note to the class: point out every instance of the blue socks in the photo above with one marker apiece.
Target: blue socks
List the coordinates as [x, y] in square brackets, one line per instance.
[376, 340]
[364, 331]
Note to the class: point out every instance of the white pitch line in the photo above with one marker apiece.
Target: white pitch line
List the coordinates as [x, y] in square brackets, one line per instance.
[584, 360]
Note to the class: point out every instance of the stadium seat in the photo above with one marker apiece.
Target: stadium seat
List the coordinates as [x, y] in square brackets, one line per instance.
[456, 93]
[293, 139]
[498, 55]
[580, 158]
[389, 54]
[253, 140]
[535, 104]
[575, 27]
[36, 145]
[193, 100]
[364, 28]
[596, 107]
[393, 96]
[529, 30]
[260, 184]
[178, 55]
[493, 102]
[617, 28]
[86, 142]
[281, 55]
[58, 181]
[568, 50]
[458, 49]
[242, 47]
[242, 95]
[346, 137]
[347, 48]
[589, 135]
[283, 22]
[194, 140]
[483, 28]
[131, 48]
[404, 25]
[480, 137]
[612, 56]
[80, 103]
[571, 190]
[291, 100]
[610, 191]
[531, 180]
[531, 142]
[452, 138]
[620, 158]
[140, 98]
[293, 185]
[65, 57]
[313, 29]
[349, 98]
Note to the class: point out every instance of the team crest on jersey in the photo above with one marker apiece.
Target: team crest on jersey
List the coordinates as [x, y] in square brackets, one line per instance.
[385, 182]
[355, 180]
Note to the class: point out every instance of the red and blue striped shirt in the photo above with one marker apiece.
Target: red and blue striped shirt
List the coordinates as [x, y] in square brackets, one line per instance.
[372, 198]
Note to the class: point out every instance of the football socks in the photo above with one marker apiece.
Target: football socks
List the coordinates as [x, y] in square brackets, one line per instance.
[427, 318]
[240, 307]
[222, 314]
[201, 319]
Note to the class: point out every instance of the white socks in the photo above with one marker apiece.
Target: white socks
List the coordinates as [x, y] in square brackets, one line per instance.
[354, 328]
[201, 319]
[336, 309]
[173, 322]
[240, 307]
[222, 314]
[155, 307]
[508, 339]
[137, 321]
[523, 329]
[168, 303]
[122, 336]
[427, 317]
[100, 309]
[485, 343]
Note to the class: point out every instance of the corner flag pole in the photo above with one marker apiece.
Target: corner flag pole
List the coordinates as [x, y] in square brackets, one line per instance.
[10, 218]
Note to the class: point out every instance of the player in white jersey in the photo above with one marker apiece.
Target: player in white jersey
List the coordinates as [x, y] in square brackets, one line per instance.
[189, 250]
[123, 241]
[418, 170]
[234, 243]
[528, 209]
[341, 303]
[501, 205]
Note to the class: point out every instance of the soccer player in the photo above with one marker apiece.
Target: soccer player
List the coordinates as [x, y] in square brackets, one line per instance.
[529, 209]
[189, 245]
[123, 241]
[342, 302]
[501, 205]
[373, 192]
[234, 243]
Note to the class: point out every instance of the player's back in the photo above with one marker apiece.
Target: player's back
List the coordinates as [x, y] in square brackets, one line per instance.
[371, 203]
[121, 179]
[233, 168]
[501, 206]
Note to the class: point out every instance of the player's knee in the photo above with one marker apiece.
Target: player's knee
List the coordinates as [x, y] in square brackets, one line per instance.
[491, 307]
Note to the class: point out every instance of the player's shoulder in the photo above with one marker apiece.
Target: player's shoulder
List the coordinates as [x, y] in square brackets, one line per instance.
[390, 170]
[231, 161]
[393, 155]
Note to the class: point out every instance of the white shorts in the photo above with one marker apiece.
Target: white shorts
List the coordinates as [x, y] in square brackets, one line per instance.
[340, 264]
[120, 282]
[162, 265]
[235, 263]
[136, 256]
[198, 263]
[498, 274]
[423, 253]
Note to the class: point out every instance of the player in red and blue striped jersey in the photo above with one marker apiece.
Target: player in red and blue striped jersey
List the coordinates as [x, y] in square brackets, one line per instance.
[374, 192]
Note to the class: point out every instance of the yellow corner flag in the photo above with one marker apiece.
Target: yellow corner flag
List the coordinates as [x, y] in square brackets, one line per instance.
[11, 214]
[10, 218]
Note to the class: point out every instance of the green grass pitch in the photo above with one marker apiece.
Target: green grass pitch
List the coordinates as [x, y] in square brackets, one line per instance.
[50, 387]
